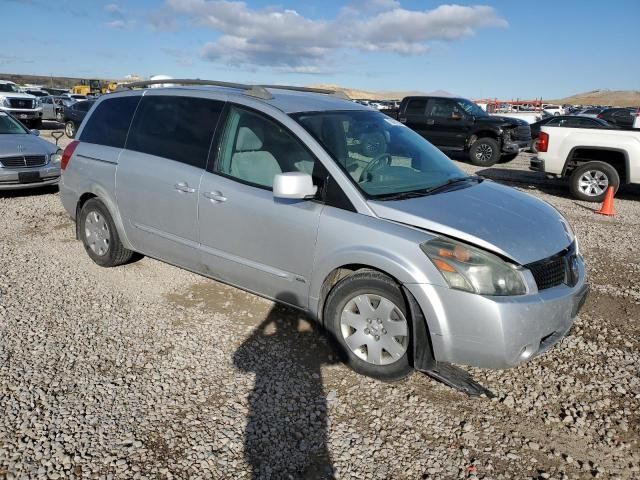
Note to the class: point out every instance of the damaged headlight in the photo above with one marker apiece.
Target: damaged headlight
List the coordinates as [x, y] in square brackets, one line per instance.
[473, 270]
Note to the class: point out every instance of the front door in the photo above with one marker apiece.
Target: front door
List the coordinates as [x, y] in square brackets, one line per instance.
[159, 173]
[249, 238]
[449, 123]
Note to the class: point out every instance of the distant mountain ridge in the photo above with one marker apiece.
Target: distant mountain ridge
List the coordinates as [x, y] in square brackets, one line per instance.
[379, 95]
[619, 98]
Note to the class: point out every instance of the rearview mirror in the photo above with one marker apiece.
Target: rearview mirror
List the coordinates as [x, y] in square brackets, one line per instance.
[35, 132]
[293, 185]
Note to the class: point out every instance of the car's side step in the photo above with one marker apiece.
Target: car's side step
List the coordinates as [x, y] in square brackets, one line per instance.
[457, 378]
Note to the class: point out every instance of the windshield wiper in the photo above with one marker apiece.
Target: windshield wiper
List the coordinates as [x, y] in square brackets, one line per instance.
[454, 181]
[428, 191]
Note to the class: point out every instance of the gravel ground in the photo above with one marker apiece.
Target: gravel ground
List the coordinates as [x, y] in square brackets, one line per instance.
[149, 371]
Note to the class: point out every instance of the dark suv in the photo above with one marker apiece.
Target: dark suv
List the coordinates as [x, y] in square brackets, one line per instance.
[622, 117]
[73, 116]
[458, 124]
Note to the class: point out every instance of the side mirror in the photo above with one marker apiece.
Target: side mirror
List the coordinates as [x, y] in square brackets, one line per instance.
[293, 185]
[35, 132]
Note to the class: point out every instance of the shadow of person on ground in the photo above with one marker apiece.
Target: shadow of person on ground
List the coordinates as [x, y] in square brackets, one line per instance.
[286, 432]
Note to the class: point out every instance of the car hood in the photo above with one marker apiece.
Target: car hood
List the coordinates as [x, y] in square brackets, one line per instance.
[498, 120]
[30, 145]
[17, 95]
[489, 215]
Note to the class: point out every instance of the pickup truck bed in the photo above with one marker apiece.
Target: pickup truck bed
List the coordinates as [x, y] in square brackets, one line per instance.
[593, 159]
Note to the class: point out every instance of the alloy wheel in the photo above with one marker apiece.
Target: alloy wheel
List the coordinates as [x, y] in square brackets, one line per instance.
[593, 183]
[484, 152]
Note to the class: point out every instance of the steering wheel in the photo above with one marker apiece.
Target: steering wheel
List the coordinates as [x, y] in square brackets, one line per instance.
[384, 159]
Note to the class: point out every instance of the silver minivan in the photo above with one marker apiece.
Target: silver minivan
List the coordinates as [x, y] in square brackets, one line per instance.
[332, 208]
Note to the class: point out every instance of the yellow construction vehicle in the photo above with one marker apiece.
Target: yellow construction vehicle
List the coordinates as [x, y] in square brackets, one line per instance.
[94, 87]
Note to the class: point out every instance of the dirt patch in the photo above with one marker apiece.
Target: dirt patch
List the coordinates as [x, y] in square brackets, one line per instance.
[217, 297]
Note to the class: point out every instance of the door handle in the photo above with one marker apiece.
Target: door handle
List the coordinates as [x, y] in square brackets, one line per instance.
[215, 197]
[183, 187]
[430, 121]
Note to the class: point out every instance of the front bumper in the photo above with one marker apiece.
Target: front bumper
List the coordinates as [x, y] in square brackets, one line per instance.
[48, 174]
[498, 332]
[24, 114]
[515, 146]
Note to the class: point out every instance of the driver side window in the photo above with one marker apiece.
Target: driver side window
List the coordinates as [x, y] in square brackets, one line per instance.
[444, 109]
[254, 149]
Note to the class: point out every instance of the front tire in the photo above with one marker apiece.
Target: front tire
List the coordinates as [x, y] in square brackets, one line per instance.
[100, 237]
[590, 181]
[70, 129]
[484, 152]
[368, 317]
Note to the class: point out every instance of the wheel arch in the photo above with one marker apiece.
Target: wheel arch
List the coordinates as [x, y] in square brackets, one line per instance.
[579, 155]
[483, 133]
[421, 350]
[101, 194]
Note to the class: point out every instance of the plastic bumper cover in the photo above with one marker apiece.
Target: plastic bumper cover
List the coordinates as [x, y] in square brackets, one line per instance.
[48, 174]
[497, 332]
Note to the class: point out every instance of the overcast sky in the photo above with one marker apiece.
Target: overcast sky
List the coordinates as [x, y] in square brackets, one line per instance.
[499, 49]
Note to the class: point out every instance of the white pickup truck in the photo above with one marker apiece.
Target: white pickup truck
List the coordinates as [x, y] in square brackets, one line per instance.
[593, 159]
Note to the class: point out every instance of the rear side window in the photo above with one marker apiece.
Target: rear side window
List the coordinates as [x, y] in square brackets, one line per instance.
[109, 123]
[416, 106]
[82, 106]
[177, 128]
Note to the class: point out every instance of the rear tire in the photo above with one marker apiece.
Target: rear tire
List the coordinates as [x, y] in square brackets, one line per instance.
[484, 152]
[100, 236]
[368, 317]
[590, 181]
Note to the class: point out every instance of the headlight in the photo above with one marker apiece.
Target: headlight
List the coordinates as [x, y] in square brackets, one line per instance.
[38, 102]
[473, 270]
[56, 157]
[5, 102]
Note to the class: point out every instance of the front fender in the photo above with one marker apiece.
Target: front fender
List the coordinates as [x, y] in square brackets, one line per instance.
[348, 238]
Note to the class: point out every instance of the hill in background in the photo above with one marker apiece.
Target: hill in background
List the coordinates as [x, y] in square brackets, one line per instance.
[378, 95]
[619, 98]
[45, 81]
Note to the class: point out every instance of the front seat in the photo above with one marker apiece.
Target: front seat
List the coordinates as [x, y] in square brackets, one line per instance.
[250, 163]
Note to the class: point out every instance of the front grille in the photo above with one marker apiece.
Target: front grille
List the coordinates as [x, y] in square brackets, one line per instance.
[35, 160]
[523, 133]
[551, 271]
[21, 103]
[26, 161]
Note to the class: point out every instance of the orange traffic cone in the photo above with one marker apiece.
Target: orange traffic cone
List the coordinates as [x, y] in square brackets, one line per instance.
[607, 205]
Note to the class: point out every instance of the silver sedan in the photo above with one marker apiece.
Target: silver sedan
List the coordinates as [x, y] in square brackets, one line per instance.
[26, 160]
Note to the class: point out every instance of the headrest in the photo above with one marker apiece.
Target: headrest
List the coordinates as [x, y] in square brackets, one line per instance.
[249, 139]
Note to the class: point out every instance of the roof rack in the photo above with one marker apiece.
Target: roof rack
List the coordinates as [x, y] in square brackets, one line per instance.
[258, 91]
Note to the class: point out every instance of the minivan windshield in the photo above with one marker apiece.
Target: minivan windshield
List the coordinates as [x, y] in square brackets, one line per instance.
[10, 126]
[383, 157]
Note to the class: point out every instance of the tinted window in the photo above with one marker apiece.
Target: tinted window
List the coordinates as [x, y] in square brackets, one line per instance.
[255, 148]
[109, 122]
[444, 109]
[82, 106]
[177, 128]
[417, 106]
[588, 123]
[553, 121]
